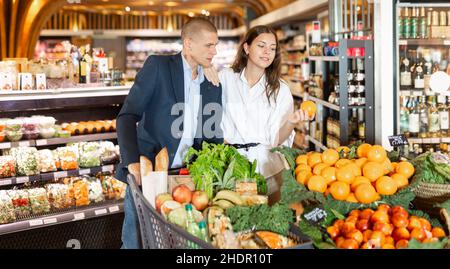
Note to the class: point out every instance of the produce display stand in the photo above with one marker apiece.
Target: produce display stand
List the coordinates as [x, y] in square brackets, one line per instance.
[96, 226]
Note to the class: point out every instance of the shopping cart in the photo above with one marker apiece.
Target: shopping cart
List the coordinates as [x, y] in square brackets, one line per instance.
[156, 232]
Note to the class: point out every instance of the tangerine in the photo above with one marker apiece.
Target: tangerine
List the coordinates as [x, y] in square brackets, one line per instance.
[366, 194]
[425, 224]
[406, 169]
[310, 107]
[317, 183]
[329, 173]
[377, 238]
[355, 235]
[373, 170]
[343, 150]
[314, 159]
[360, 162]
[355, 168]
[387, 166]
[401, 234]
[400, 179]
[402, 244]
[438, 232]
[303, 176]
[350, 244]
[418, 234]
[317, 170]
[340, 190]
[376, 153]
[359, 180]
[333, 232]
[341, 163]
[386, 186]
[345, 174]
[303, 166]
[330, 156]
[363, 150]
[351, 198]
[301, 159]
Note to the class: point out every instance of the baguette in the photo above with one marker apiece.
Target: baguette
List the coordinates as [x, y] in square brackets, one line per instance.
[146, 166]
[162, 161]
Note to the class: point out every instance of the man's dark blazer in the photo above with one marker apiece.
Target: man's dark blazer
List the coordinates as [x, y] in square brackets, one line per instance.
[159, 85]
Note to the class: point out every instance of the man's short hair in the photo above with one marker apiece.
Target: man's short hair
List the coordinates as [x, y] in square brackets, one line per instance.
[194, 25]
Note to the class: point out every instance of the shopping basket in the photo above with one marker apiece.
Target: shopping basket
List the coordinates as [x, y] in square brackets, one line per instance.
[156, 232]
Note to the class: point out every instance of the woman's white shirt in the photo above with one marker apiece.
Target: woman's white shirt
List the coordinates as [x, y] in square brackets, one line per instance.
[249, 118]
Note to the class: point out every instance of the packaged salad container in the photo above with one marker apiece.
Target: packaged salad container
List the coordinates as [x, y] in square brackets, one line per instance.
[95, 190]
[38, 201]
[90, 153]
[7, 214]
[21, 203]
[14, 136]
[7, 166]
[68, 157]
[81, 192]
[57, 195]
[46, 161]
[107, 186]
[108, 151]
[14, 125]
[119, 188]
[26, 160]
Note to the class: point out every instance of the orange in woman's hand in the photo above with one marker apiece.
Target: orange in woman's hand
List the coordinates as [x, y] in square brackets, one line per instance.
[310, 107]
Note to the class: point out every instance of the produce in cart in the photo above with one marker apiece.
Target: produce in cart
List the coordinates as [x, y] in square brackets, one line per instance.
[38, 201]
[21, 202]
[57, 195]
[26, 160]
[7, 166]
[6, 208]
[46, 161]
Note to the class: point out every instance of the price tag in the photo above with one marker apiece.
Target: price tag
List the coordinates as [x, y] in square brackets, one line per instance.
[427, 140]
[101, 211]
[78, 216]
[36, 222]
[403, 42]
[315, 216]
[108, 168]
[50, 221]
[398, 140]
[41, 142]
[447, 42]
[22, 180]
[24, 144]
[84, 171]
[446, 140]
[60, 174]
[5, 182]
[435, 140]
[114, 209]
[6, 145]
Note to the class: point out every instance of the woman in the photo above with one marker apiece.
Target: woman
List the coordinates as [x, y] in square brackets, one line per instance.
[258, 106]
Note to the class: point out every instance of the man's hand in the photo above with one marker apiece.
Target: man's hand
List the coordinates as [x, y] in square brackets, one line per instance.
[135, 170]
[211, 75]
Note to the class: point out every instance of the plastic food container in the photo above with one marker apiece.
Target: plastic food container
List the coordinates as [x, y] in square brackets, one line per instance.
[26, 160]
[57, 195]
[46, 122]
[2, 136]
[30, 124]
[14, 125]
[14, 136]
[31, 135]
[7, 166]
[6, 208]
[38, 201]
[68, 156]
[63, 134]
[47, 133]
[2, 124]
[95, 190]
[21, 202]
[46, 161]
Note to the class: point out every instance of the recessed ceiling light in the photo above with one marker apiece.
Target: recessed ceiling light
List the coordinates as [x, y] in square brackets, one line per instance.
[191, 14]
[127, 9]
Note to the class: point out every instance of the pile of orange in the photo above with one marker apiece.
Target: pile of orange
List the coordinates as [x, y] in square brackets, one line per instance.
[386, 228]
[360, 180]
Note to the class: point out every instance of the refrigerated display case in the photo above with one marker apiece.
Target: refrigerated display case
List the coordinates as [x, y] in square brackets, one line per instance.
[423, 51]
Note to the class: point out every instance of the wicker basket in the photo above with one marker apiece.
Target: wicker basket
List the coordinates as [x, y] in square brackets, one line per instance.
[430, 194]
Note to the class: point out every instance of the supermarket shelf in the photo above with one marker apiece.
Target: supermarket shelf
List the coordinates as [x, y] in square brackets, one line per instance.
[68, 215]
[55, 175]
[324, 103]
[429, 140]
[74, 139]
[290, 49]
[292, 78]
[58, 141]
[292, 63]
[324, 58]
[425, 42]
[409, 92]
[315, 142]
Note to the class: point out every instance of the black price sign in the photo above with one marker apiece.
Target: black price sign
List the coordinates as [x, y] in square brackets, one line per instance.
[315, 216]
[398, 140]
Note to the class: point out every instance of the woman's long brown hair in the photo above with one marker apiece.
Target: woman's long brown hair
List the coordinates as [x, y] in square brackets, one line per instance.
[273, 72]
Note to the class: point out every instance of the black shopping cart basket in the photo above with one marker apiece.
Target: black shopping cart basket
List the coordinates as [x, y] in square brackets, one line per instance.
[156, 232]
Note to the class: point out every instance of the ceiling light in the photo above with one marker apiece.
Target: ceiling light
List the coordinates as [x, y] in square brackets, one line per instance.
[191, 14]
[127, 9]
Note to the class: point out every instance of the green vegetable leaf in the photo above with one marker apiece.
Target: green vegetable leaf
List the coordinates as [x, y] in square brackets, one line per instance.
[414, 244]
[289, 153]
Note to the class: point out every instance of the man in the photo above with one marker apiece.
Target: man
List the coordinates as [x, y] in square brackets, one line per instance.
[166, 86]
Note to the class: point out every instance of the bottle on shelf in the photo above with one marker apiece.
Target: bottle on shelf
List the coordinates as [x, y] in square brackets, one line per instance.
[401, 24]
[405, 74]
[361, 125]
[423, 31]
[406, 24]
[433, 117]
[443, 116]
[82, 65]
[423, 116]
[404, 116]
[412, 65]
[414, 23]
[419, 82]
[414, 118]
